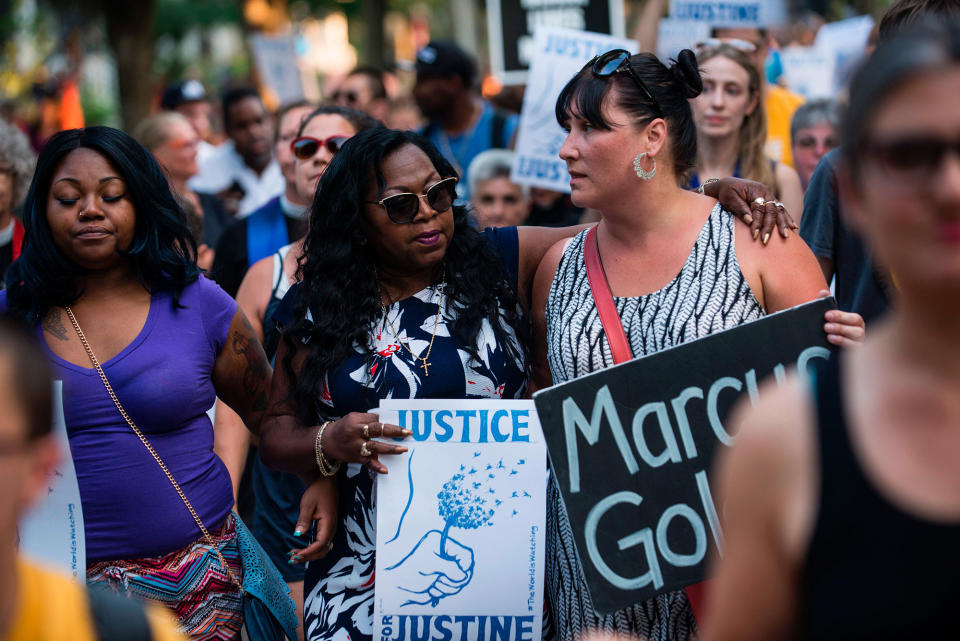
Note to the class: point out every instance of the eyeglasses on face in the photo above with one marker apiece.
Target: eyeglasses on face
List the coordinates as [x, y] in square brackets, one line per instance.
[914, 159]
[349, 97]
[305, 147]
[403, 208]
[609, 63]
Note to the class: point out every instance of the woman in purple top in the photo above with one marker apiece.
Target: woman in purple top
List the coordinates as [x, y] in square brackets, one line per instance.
[106, 242]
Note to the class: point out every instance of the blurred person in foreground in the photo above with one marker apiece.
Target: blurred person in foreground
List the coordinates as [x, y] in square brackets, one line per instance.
[243, 170]
[852, 533]
[37, 604]
[277, 494]
[189, 99]
[363, 89]
[814, 131]
[281, 220]
[174, 143]
[459, 122]
[731, 124]
[861, 285]
[778, 102]
[496, 200]
[16, 169]
[108, 274]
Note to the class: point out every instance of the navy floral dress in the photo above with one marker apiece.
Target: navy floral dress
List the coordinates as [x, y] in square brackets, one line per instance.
[338, 590]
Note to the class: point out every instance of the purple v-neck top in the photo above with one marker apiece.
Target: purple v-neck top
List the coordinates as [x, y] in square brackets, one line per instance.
[164, 380]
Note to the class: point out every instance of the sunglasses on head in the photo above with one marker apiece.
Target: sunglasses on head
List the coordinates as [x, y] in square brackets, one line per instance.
[744, 46]
[607, 64]
[305, 147]
[403, 208]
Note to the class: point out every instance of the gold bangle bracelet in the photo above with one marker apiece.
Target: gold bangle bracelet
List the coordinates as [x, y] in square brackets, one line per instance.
[324, 465]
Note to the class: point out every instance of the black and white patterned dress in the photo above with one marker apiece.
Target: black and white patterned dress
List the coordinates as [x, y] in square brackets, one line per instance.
[339, 588]
[709, 295]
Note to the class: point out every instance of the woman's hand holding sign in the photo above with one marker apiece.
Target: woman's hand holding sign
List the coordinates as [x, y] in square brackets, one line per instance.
[350, 440]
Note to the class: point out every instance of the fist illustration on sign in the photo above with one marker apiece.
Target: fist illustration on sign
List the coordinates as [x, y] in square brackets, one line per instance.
[436, 569]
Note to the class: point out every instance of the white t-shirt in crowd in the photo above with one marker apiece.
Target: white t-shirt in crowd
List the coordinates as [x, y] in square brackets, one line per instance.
[224, 166]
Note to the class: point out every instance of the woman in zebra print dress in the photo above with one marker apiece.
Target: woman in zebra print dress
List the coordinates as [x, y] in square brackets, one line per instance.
[677, 265]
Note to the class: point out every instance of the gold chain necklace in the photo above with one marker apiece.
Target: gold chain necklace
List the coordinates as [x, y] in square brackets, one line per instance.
[424, 360]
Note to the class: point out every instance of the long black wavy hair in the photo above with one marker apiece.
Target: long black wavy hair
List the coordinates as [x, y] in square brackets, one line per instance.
[163, 253]
[339, 279]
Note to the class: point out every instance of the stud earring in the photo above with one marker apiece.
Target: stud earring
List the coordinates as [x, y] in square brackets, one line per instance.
[642, 173]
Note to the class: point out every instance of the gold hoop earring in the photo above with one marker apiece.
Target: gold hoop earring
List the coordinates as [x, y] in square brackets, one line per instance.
[642, 173]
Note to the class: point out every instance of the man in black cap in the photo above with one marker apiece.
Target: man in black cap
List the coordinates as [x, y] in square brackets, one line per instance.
[189, 98]
[459, 122]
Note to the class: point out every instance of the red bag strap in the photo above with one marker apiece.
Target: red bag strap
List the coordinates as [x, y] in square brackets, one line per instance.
[603, 299]
[620, 348]
[18, 233]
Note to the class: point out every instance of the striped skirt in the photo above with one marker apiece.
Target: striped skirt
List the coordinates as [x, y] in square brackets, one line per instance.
[191, 582]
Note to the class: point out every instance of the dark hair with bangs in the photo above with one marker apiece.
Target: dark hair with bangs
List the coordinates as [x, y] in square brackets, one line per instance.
[358, 119]
[928, 46]
[339, 279]
[163, 253]
[671, 87]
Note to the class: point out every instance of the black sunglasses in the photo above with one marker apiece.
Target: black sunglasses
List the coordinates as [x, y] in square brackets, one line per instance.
[350, 97]
[607, 64]
[305, 147]
[403, 208]
[919, 156]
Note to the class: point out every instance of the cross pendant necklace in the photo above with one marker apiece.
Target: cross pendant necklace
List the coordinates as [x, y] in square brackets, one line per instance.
[424, 361]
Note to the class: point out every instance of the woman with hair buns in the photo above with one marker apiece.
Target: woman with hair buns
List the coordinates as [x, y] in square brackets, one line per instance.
[732, 126]
[676, 265]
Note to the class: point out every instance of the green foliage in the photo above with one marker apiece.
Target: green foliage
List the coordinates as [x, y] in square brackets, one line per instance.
[176, 17]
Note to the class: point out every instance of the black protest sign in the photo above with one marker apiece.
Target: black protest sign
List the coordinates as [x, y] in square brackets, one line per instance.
[511, 24]
[632, 445]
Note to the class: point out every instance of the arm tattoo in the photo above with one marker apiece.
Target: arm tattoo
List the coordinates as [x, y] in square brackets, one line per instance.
[254, 374]
[53, 325]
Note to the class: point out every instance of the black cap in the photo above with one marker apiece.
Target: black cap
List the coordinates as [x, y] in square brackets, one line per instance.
[444, 58]
[180, 92]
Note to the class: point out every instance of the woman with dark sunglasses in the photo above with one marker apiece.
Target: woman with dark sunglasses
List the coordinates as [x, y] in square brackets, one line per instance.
[677, 266]
[853, 535]
[402, 298]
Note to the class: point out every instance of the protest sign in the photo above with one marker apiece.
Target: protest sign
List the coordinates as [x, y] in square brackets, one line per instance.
[276, 63]
[52, 532]
[512, 25]
[631, 447]
[559, 54]
[460, 523]
[808, 71]
[675, 35]
[730, 13]
[846, 42]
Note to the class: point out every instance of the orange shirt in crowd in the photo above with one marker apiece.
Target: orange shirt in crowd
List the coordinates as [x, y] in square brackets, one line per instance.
[779, 105]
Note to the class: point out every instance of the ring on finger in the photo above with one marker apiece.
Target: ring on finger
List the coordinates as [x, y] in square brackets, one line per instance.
[364, 450]
[771, 202]
[780, 205]
[365, 431]
[758, 201]
[329, 545]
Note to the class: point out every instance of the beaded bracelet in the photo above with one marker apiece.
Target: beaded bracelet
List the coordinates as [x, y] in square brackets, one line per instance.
[323, 464]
